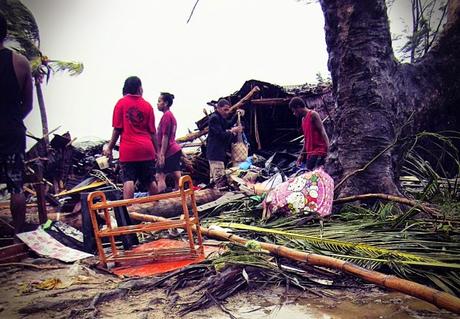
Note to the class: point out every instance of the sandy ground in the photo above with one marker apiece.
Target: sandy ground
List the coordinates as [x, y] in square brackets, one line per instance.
[79, 284]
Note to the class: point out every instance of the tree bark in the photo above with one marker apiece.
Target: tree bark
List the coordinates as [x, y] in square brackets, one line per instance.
[41, 105]
[379, 100]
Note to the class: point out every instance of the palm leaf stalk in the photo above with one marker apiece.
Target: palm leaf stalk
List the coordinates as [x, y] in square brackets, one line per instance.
[430, 156]
[364, 249]
[371, 255]
[397, 199]
[438, 298]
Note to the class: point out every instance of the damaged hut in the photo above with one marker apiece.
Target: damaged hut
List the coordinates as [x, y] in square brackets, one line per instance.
[269, 125]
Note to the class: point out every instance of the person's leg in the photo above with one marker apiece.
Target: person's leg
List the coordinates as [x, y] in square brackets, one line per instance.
[18, 211]
[153, 188]
[128, 176]
[14, 166]
[128, 189]
[176, 175]
[320, 161]
[161, 182]
[172, 166]
[146, 175]
[217, 172]
[311, 162]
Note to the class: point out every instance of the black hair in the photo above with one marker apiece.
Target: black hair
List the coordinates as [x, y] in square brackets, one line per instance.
[3, 27]
[223, 102]
[132, 85]
[167, 97]
[296, 103]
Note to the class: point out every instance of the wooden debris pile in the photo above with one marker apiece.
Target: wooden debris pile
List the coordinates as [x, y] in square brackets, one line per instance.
[269, 125]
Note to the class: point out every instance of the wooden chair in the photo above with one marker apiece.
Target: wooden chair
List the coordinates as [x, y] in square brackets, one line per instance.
[98, 203]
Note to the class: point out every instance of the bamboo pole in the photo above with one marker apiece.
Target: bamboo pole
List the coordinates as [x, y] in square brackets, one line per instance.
[438, 298]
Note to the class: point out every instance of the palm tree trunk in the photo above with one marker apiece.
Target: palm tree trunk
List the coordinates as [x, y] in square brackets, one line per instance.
[41, 105]
[381, 101]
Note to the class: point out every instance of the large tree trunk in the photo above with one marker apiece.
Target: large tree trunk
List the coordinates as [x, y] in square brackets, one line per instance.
[41, 105]
[379, 100]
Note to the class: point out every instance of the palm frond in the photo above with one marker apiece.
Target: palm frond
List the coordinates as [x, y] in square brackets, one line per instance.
[362, 251]
[22, 27]
[427, 160]
[73, 68]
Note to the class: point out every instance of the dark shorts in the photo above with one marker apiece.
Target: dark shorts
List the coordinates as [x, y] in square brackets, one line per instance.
[172, 163]
[143, 171]
[11, 171]
[315, 161]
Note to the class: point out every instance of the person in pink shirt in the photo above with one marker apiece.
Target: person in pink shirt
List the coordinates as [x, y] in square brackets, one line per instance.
[169, 152]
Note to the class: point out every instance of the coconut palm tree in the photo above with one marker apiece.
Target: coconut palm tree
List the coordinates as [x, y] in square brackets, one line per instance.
[24, 36]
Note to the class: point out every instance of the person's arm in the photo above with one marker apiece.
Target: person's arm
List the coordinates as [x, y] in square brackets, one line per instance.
[303, 151]
[223, 135]
[153, 130]
[108, 148]
[319, 125]
[162, 152]
[117, 124]
[301, 157]
[164, 130]
[25, 83]
[153, 137]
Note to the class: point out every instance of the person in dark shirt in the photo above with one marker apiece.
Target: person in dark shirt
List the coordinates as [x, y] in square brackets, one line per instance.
[221, 134]
[15, 104]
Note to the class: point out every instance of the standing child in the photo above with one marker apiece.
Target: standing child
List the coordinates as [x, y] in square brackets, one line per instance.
[169, 153]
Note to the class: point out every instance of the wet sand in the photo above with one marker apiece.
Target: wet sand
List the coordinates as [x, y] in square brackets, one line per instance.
[367, 301]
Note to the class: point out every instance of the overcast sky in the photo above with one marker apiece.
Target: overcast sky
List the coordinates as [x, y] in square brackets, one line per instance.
[226, 43]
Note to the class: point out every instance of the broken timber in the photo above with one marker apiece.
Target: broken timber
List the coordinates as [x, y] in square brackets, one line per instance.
[173, 207]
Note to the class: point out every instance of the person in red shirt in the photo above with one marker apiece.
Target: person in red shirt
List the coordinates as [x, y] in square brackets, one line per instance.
[134, 121]
[316, 142]
[169, 153]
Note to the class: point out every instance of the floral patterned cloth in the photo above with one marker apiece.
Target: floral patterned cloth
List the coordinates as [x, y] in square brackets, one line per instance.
[306, 193]
[43, 244]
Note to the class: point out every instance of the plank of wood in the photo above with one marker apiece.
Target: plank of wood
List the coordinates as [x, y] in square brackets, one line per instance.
[15, 252]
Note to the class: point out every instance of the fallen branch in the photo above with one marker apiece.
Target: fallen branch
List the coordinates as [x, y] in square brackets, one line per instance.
[41, 267]
[192, 136]
[392, 198]
[438, 298]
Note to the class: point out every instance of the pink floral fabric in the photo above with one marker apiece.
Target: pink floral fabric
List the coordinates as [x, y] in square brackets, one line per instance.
[306, 193]
[43, 244]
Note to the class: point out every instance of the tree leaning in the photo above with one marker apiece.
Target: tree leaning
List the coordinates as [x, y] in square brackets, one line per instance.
[379, 100]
